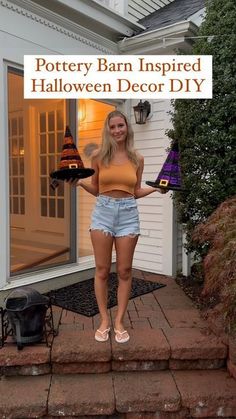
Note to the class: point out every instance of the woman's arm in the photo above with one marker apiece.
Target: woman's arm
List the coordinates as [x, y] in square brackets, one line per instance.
[93, 186]
[141, 192]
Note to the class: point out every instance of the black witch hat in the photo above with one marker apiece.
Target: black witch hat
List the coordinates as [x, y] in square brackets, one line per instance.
[71, 165]
[169, 176]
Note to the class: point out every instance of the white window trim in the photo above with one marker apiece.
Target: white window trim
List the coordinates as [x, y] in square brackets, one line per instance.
[4, 186]
[50, 273]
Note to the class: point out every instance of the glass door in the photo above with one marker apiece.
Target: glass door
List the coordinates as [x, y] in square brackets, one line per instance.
[40, 222]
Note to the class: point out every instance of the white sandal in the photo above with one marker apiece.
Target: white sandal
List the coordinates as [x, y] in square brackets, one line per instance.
[119, 338]
[102, 336]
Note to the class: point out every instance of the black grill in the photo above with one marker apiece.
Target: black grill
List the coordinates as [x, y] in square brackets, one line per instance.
[25, 317]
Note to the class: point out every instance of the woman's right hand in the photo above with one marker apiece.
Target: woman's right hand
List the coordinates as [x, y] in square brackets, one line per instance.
[73, 181]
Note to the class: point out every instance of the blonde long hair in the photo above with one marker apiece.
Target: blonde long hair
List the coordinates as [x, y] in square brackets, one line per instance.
[109, 145]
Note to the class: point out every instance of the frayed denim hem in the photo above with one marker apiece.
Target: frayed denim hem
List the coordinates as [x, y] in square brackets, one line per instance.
[132, 235]
[107, 233]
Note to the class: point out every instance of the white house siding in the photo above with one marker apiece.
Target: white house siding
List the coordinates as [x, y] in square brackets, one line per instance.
[154, 249]
[137, 9]
[134, 9]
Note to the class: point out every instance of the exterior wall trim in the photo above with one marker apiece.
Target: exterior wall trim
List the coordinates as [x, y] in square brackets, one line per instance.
[107, 16]
[62, 26]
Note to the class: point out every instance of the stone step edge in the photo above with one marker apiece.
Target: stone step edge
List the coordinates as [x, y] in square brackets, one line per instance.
[105, 367]
[177, 395]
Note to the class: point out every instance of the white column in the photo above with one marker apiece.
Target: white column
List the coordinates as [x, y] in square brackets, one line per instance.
[4, 176]
[169, 236]
[122, 7]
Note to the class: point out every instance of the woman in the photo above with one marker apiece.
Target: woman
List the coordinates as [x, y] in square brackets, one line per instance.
[117, 184]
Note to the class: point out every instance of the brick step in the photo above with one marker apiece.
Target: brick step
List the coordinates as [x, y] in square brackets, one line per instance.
[75, 351]
[123, 395]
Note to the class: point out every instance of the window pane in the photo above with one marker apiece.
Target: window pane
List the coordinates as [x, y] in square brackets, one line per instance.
[51, 138]
[52, 165]
[22, 186]
[21, 146]
[20, 120]
[22, 166]
[15, 150]
[52, 192]
[60, 120]
[43, 207]
[14, 126]
[43, 122]
[15, 206]
[60, 208]
[60, 140]
[44, 186]
[15, 186]
[43, 161]
[43, 144]
[51, 121]
[52, 209]
[15, 167]
[22, 205]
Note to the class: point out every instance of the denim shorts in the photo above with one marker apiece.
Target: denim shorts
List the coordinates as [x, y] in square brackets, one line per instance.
[116, 216]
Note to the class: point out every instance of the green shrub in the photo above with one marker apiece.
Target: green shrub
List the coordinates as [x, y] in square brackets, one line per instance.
[206, 129]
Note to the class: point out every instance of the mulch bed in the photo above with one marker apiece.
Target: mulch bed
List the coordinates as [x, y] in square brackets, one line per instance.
[193, 289]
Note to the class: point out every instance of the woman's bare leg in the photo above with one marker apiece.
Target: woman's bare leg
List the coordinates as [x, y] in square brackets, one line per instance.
[102, 246]
[125, 247]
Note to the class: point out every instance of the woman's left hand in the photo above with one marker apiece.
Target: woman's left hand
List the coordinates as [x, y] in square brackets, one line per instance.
[72, 181]
[162, 191]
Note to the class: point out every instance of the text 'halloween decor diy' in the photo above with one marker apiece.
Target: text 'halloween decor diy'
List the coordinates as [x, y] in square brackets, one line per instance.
[169, 177]
[71, 165]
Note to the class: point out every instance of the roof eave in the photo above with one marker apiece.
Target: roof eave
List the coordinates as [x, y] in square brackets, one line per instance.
[159, 41]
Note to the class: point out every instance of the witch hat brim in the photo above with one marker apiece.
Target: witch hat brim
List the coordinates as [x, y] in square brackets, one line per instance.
[166, 188]
[67, 174]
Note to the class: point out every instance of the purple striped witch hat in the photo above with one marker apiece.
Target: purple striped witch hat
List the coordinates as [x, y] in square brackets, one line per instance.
[169, 176]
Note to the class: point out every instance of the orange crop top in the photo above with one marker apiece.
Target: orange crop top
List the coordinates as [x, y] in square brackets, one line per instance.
[121, 177]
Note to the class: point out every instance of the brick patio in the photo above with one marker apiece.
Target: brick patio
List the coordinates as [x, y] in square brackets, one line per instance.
[172, 367]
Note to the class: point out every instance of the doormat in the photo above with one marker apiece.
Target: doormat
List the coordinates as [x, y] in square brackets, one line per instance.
[81, 299]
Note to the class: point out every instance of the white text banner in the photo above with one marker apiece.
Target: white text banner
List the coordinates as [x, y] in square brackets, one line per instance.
[118, 76]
